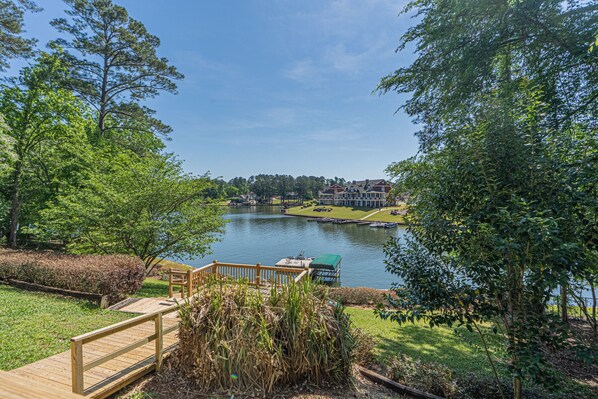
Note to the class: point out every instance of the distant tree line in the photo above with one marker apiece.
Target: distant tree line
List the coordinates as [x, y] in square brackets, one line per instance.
[267, 186]
[82, 160]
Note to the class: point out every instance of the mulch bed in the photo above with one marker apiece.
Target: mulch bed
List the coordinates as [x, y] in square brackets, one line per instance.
[168, 384]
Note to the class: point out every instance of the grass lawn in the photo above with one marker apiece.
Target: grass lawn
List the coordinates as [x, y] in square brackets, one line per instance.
[461, 353]
[385, 215]
[36, 325]
[348, 212]
[152, 288]
[438, 345]
[340, 212]
[169, 264]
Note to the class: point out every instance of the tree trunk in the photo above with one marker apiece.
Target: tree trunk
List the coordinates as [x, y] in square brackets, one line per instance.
[564, 300]
[517, 391]
[15, 206]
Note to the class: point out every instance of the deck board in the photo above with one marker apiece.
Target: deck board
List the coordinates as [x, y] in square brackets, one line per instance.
[15, 387]
[101, 381]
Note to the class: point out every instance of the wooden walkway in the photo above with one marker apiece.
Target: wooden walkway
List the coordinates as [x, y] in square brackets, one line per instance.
[104, 379]
[15, 387]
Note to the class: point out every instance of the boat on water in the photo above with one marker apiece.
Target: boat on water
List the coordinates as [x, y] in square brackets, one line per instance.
[324, 220]
[390, 225]
[377, 225]
[340, 221]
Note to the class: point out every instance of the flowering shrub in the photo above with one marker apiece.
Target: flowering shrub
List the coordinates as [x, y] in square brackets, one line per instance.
[111, 275]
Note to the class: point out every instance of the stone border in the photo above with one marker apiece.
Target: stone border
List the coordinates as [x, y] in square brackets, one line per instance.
[101, 300]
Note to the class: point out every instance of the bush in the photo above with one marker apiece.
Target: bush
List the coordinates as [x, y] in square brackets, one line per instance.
[360, 296]
[428, 377]
[114, 276]
[233, 338]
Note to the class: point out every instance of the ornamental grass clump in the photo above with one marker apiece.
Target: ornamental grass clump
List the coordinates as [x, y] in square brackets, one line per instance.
[233, 338]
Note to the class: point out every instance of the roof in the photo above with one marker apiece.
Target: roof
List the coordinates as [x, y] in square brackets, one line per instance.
[326, 261]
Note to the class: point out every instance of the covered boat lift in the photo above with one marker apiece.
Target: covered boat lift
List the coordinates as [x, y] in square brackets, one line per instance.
[327, 269]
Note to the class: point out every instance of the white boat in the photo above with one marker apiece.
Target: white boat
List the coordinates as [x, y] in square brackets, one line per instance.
[377, 224]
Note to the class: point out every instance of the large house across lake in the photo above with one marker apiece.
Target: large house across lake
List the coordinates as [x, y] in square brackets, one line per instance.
[363, 193]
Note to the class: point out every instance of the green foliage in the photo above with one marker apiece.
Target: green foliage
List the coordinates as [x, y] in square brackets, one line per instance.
[428, 377]
[145, 207]
[114, 66]
[503, 198]
[48, 130]
[11, 28]
[462, 48]
[48, 320]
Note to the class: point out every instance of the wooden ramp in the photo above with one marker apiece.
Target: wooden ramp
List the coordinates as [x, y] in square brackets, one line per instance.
[107, 360]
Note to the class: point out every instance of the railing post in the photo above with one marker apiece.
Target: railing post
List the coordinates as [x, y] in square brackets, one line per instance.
[258, 274]
[159, 341]
[170, 293]
[77, 367]
[189, 283]
[215, 271]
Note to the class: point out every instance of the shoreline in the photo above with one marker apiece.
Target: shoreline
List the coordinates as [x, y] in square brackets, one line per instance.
[352, 221]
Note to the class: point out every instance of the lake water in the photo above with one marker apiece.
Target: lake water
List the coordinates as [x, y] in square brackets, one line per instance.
[263, 234]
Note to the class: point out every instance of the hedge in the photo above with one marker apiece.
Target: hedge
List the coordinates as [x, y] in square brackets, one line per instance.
[115, 276]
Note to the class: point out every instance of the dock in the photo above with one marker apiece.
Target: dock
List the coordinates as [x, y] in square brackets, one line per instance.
[108, 359]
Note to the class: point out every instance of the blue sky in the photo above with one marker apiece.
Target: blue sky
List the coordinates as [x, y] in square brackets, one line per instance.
[276, 86]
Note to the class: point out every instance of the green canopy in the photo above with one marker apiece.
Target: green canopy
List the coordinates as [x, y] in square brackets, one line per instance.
[326, 261]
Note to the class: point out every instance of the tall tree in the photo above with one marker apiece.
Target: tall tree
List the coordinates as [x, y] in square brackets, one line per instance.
[497, 87]
[39, 114]
[142, 206]
[114, 65]
[12, 44]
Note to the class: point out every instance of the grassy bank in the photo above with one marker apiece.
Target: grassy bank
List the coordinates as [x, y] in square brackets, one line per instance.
[348, 212]
[439, 345]
[36, 325]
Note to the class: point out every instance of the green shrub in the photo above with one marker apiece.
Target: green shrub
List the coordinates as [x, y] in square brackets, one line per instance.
[360, 296]
[114, 276]
[233, 338]
[428, 377]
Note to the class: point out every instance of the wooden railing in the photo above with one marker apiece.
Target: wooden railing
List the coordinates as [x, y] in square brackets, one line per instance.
[78, 367]
[257, 274]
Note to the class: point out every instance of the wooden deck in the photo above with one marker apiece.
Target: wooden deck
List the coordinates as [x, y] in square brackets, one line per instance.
[103, 380]
[104, 361]
[16, 387]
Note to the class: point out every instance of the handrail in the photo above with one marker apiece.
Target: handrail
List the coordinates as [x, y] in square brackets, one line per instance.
[253, 273]
[77, 365]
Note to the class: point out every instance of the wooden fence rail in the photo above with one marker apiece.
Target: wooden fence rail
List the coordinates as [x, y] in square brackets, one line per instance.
[257, 274]
[78, 367]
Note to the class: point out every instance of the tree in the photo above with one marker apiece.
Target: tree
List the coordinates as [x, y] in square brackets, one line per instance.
[40, 115]
[494, 210]
[460, 44]
[12, 44]
[143, 206]
[114, 65]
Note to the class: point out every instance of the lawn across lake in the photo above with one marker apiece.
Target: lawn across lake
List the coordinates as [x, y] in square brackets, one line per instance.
[349, 212]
